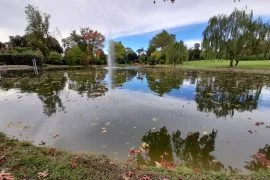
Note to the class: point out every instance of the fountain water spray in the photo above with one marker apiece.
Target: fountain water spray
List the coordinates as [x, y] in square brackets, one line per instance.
[110, 58]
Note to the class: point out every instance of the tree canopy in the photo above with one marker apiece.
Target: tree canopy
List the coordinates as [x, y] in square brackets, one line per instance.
[234, 36]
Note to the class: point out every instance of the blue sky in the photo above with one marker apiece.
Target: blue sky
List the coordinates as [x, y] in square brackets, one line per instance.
[189, 34]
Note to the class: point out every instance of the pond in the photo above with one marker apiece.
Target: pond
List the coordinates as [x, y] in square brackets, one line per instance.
[200, 119]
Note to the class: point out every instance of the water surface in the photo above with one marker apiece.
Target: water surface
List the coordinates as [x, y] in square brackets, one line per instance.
[210, 120]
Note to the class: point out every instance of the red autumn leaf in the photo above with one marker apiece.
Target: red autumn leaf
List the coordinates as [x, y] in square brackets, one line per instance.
[6, 176]
[74, 162]
[197, 170]
[145, 178]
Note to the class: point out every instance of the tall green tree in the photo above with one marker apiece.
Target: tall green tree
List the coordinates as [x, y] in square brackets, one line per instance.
[131, 55]
[120, 52]
[161, 40]
[232, 36]
[176, 53]
[37, 29]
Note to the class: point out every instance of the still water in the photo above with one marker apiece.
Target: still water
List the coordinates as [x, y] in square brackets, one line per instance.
[209, 120]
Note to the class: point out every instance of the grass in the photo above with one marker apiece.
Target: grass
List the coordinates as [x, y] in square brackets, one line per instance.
[25, 161]
[208, 64]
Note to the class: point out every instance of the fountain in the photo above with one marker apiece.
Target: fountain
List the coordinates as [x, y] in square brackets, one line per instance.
[110, 62]
[110, 58]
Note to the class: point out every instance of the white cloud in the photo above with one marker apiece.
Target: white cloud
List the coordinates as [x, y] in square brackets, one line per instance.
[190, 43]
[119, 17]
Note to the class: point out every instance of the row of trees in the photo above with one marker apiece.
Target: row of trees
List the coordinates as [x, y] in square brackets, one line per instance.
[36, 40]
[238, 36]
[82, 48]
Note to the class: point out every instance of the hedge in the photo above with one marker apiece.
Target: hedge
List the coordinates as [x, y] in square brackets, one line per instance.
[20, 59]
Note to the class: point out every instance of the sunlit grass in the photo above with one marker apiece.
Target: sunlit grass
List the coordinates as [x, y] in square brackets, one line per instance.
[265, 65]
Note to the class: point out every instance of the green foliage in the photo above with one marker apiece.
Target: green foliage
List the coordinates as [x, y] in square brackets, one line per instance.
[161, 40]
[37, 29]
[54, 58]
[156, 57]
[21, 58]
[73, 56]
[236, 36]
[176, 53]
[143, 58]
[120, 52]
[89, 42]
[131, 55]
[195, 53]
[18, 41]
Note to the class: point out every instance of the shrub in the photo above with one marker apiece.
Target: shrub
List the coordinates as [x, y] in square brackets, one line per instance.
[73, 56]
[54, 58]
[21, 58]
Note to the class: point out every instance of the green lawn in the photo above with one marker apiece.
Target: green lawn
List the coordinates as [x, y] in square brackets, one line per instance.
[262, 65]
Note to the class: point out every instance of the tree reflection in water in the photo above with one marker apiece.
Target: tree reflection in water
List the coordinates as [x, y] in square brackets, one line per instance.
[163, 81]
[48, 86]
[225, 94]
[194, 151]
[88, 82]
[261, 160]
[221, 93]
[120, 76]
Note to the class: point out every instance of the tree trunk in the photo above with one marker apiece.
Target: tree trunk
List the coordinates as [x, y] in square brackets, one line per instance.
[231, 63]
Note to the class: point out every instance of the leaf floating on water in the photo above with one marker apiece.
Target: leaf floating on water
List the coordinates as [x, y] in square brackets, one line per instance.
[93, 124]
[259, 123]
[158, 165]
[56, 136]
[42, 143]
[103, 131]
[252, 131]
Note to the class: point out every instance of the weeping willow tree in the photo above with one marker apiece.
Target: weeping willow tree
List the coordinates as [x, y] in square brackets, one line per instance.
[235, 35]
[176, 53]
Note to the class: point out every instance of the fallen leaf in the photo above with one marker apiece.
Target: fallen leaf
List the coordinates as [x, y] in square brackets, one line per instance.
[43, 174]
[158, 165]
[52, 151]
[6, 176]
[74, 162]
[56, 136]
[42, 143]
[259, 123]
[197, 170]
[154, 119]
[145, 178]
